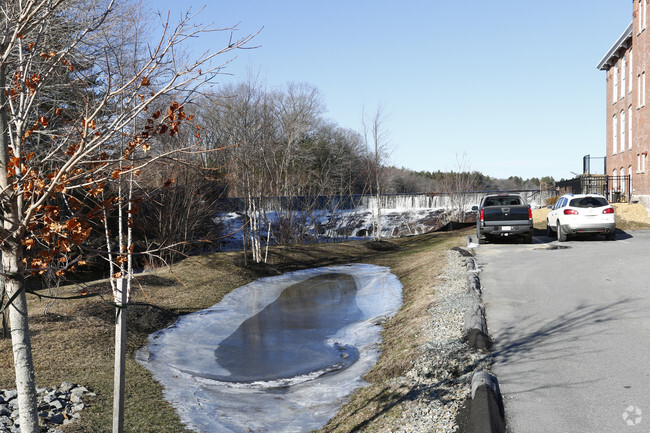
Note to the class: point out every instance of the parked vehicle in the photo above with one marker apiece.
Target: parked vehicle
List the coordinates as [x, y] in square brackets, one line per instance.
[503, 215]
[581, 213]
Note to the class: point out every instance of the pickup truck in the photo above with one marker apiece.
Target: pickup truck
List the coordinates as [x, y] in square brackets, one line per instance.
[503, 215]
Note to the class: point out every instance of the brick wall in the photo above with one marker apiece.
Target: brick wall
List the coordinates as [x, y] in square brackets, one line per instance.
[630, 104]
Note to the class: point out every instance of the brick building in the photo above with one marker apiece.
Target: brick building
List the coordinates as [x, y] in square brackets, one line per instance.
[628, 118]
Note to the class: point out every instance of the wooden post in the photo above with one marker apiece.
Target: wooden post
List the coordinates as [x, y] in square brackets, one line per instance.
[120, 356]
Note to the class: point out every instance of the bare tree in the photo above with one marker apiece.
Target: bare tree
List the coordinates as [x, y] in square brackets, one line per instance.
[378, 147]
[458, 183]
[82, 154]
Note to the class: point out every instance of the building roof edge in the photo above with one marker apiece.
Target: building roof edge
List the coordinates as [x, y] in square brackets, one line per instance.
[605, 62]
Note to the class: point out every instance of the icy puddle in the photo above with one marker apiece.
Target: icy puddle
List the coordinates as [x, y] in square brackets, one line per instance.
[280, 354]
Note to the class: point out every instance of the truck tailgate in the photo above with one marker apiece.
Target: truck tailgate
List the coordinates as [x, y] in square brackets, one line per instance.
[501, 214]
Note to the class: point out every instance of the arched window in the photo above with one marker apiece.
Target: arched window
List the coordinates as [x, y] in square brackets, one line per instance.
[623, 179]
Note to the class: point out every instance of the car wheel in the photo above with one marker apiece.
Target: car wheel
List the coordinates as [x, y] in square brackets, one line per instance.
[549, 230]
[611, 236]
[561, 236]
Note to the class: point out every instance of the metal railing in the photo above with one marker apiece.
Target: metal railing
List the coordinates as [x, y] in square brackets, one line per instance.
[615, 188]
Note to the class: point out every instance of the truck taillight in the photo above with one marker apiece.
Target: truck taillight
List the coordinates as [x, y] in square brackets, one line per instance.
[482, 215]
[570, 212]
[609, 210]
[530, 214]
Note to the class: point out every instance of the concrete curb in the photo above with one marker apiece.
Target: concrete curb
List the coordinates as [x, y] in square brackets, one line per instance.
[486, 407]
[475, 332]
[475, 328]
[473, 283]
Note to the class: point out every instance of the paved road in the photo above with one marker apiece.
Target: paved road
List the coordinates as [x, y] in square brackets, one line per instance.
[572, 332]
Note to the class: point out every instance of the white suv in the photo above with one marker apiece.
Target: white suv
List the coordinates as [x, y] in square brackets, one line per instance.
[581, 213]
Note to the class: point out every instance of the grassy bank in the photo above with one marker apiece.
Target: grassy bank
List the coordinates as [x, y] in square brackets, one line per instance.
[73, 340]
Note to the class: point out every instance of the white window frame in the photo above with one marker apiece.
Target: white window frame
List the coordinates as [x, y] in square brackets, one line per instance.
[644, 160]
[623, 180]
[615, 88]
[623, 131]
[629, 170]
[615, 180]
[641, 90]
[642, 16]
[614, 135]
[638, 163]
[629, 127]
[623, 75]
[630, 72]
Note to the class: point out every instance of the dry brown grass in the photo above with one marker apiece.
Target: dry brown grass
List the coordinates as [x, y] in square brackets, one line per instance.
[373, 408]
[74, 340]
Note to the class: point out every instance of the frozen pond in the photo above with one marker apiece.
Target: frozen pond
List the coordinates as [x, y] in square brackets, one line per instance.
[280, 354]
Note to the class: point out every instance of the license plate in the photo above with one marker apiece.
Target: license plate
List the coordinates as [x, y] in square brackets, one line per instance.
[506, 228]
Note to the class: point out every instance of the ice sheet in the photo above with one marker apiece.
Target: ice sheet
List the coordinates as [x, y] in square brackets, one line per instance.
[182, 358]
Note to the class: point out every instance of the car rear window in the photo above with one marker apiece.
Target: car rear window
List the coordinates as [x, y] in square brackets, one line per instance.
[502, 201]
[589, 202]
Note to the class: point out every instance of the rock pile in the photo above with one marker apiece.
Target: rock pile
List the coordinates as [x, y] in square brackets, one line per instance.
[56, 407]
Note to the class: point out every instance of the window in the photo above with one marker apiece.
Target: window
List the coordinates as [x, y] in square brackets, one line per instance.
[623, 130]
[629, 170]
[614, 134]
[623, 77]
[615, 90]
[638, 163]
[629, 67]
[641, 89]
[629, 127]
[642, 14]
[622, 179]
[586, 202]
[644, 159]
[614, 180]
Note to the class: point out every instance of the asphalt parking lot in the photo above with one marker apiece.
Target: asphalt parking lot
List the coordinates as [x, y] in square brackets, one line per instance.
[571, 328]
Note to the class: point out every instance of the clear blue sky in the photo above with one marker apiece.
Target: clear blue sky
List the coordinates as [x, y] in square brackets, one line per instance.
[511, 83]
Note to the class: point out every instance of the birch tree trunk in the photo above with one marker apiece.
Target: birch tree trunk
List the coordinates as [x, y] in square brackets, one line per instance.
[12, 254]
[119, 377]
[20, 340]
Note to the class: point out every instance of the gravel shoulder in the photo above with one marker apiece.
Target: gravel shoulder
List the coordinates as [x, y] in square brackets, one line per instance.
[429, 393]
[443, 372]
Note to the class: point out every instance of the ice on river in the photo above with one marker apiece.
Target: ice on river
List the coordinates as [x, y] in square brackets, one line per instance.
[280, 354]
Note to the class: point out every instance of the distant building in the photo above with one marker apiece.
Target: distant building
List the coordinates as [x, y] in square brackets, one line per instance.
[628, 118]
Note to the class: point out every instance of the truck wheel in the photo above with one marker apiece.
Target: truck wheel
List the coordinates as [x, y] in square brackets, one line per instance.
[528, 239]
[561, 236]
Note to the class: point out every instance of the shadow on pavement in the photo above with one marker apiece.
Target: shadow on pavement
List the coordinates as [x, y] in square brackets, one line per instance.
[555, 339]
